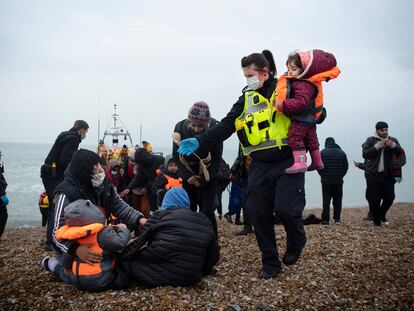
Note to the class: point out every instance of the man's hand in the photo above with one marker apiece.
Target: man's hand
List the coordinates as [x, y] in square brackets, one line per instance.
[119, 226]
[389, 143]
[356, 164]
[380, 144]
[124, 193]
[142, 221]
[85, 254]
[192, 180]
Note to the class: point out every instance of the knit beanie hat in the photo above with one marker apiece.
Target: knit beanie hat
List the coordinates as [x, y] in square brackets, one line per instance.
[200, 114]
[380, 125]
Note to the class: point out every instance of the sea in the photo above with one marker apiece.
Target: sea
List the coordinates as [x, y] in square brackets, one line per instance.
[22, 163]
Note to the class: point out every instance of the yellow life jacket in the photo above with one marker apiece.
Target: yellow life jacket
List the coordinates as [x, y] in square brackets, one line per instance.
[83, 235]
[261, 126]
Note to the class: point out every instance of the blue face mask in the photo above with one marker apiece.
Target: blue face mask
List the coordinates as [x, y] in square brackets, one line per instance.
[83, 136]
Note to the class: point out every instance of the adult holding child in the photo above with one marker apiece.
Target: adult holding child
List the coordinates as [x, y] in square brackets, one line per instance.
[263, 133]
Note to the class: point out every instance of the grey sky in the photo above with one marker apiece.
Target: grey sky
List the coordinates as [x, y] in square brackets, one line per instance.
[62, 60]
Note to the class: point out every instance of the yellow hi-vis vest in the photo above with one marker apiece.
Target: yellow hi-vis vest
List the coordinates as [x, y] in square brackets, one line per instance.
[261, 126]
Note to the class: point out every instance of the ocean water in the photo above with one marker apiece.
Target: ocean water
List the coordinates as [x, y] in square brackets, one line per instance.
[22, 163]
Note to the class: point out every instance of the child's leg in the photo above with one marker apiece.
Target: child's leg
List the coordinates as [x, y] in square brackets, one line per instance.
[312, 144]
[296, 137]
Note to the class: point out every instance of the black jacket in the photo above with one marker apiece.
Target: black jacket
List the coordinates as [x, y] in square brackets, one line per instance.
[335, 164]
[62, 150]
[215, 149]
[70, 190]
[181, 247]
[226, 128]
[372, 155]
[147, 167]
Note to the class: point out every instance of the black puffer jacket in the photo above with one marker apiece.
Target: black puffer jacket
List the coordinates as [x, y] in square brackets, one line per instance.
[372, 155]
[335, 164]
[181, 248]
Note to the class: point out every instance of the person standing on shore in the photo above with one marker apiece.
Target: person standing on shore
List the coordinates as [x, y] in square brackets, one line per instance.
[201, 186]
[378, 153]
[55, 164]
[263, 133]
[4, 200]
[332, 179]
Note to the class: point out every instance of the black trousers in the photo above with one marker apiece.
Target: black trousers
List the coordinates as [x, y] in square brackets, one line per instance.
[380, 195]
[270, 190]
[3, 217]
[204, 197]
[332, 192]
[246, 220]
[50, 183]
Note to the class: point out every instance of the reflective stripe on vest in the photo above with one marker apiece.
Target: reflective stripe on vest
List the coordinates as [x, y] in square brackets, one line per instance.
[85, 235]
[260, 126]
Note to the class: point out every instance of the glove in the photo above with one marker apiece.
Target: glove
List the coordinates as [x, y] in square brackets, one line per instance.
[398, 179]
[5, 199]
[188, 146]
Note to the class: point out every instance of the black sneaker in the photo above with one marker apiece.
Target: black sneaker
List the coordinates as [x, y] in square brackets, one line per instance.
[337, 222]
[228, 217]
[266, 275]
[325, 222]
[290, 258]
[384, 221]
[238, 222]
[245, 231]
[369, 217]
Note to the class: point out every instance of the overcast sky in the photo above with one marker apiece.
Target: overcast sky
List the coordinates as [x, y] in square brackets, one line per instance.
[67, 60]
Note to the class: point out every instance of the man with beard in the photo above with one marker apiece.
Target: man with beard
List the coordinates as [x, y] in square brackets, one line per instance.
[201, 186]
[377, 152]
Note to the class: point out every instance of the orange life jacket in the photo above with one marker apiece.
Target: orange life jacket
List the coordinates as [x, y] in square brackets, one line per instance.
[315, 107]
[171, 182]
[83, 235]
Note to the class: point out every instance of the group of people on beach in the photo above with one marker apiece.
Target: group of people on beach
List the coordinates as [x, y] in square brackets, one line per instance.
[176, 236]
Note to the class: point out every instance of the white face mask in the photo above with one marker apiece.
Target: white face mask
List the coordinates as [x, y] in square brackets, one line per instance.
[98, 179]
[254, 83]
[114, 172]
[83, 136]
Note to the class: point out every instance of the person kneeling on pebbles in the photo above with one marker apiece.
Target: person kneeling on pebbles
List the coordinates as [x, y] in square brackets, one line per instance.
[85, 224]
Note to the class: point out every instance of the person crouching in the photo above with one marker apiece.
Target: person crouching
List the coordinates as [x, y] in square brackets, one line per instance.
[85, 224]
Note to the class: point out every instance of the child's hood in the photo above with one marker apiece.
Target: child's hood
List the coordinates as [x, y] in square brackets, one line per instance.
[315, 62]
[83, 212]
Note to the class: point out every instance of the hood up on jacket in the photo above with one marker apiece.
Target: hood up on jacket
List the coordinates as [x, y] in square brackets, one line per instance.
[330, 143]
[315, 62]
[83, 212]
[176, 197]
